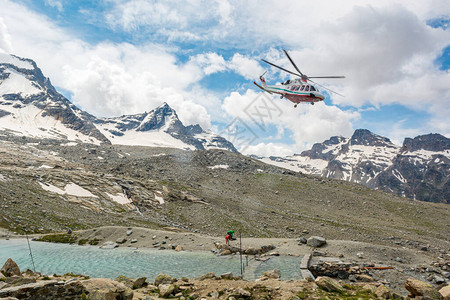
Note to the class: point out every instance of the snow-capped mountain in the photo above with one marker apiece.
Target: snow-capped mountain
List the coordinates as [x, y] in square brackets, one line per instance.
[160, 127]
[31, 106]
[419, 169]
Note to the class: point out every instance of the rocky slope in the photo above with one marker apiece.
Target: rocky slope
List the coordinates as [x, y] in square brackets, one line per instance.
[49, 185]
[418, 170]
[31, 106]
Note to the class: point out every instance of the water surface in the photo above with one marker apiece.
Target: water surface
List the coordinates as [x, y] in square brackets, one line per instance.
[51, 258]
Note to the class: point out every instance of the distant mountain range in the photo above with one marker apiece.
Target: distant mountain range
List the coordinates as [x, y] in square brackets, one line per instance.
[420, 169]
[31, 106]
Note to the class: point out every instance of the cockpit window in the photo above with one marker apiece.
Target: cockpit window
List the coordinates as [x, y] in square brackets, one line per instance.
[307, 88]
[312, 88]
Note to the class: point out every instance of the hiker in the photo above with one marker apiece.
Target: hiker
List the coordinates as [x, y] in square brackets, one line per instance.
[227, 238]
[230, 233]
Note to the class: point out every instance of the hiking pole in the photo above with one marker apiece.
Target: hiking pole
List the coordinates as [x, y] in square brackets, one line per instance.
[31, 253]
[240, 252]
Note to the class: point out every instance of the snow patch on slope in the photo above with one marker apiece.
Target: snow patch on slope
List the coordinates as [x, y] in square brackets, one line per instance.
[70, 189]
[152, 138]
[28, 120]
[17, 83]
[10, 59]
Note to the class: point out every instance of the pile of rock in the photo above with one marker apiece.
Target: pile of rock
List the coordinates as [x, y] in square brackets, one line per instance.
[223, 249]
[342, 270]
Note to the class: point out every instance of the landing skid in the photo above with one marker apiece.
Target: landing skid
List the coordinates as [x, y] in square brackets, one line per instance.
[295, 105]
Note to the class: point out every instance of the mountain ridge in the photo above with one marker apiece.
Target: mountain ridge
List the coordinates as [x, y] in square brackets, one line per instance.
[419, 169]
[27, 98]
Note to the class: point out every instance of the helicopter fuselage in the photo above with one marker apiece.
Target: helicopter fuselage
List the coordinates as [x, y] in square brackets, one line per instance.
[293, 90]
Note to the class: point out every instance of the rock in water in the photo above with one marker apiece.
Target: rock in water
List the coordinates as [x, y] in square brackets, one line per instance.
[10, 268]
[421, 288]
[316, 241]
[329, 284]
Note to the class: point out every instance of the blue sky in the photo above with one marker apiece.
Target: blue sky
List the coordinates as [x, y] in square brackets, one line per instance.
[115, 57]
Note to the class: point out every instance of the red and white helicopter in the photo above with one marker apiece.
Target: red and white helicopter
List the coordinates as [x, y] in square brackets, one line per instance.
[296, 90]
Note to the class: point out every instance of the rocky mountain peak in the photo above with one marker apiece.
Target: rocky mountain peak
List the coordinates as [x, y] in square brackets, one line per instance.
[367, 138]
[162, 116]
[430, 142]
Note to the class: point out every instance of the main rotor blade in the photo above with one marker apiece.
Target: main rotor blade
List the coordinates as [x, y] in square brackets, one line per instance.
[295, 66]
[325, 88]
[268, 62]
[326, 76]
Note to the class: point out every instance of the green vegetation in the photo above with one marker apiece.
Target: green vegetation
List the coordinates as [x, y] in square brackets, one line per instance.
[58, 238]
[83, 242]
[94, 242]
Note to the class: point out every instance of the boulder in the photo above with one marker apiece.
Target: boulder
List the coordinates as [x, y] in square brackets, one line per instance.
[10, 268]
[421, 288]
[225, 252]
[383, 292]
[121, 240]
[275, 274]
[19, 280]
[209, 275]
[329, 284]
[129, 232]
[109, 245]
[303, 240]
[252, 251]
[163, 279]
[445, 292]
[364, 278]
[241, 293]
[104, 288]
[165, 290]
[228, 275]
[139, 282]
[316, 241]
[178, 248]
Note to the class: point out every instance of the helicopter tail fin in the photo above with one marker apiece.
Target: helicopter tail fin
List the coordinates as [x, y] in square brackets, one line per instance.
[263, 80]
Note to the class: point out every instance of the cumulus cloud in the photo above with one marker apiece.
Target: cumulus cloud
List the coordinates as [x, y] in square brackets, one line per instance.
[384, 48]
[308, 124]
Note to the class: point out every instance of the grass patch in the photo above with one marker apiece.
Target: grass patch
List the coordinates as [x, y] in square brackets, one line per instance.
[58, 238]
[83, 242]
[94, 242]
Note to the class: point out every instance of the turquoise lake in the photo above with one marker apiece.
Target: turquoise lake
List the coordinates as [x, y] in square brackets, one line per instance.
[52, 258]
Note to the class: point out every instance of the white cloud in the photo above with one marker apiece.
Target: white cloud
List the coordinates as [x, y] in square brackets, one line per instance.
[5, 38]
[56, 4]
[384, 48]
[270, 149]
[245, 66]
[309, 124]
